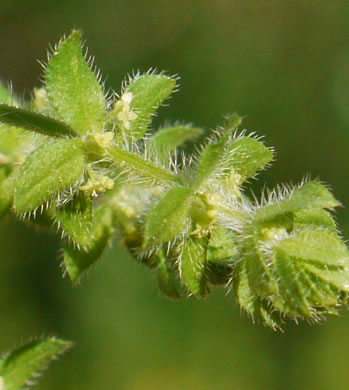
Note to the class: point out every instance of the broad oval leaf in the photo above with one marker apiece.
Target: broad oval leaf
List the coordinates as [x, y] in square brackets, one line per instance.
[50, 169]
[193, 263]
[167, 219]
[73, 89]
[25, 363]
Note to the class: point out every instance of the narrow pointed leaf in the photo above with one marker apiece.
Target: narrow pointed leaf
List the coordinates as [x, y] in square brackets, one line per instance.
[168, 281]
[73, 89]
[77, 261]
[193, 265]
[23, 364]
[50, 169]
[126, 160]
[168, 217]
[212, 157]
[24, 119]
[75, 219]
[251, 303]
[165, 141]
[148, 91]
[312, 195]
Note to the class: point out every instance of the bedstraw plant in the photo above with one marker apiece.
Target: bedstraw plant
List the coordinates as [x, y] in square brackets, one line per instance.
[89, 164]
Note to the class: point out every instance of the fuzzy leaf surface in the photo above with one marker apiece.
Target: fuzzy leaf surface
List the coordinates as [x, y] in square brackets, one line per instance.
[50, 169]
[24, 119]
[23, 364]
[73, 89]
[193, 264]
[149, 91]
[312, 195]
[168, 281]
[168, 139]
[75, 219]
[167, 219]
[77, 261]
[246, 156]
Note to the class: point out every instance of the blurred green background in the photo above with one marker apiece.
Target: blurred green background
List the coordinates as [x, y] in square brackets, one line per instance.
[284, 64]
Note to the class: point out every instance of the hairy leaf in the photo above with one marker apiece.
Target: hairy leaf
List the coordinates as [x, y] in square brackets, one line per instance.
[50, 169]
[245, 156]
[311, 195]
[167, 219]
[77, 261]
[146, 93]
[24, 119]
[75, 219]
[23, 364]
[166, 140]
[73, 89]
[168, 281]
[212, 156]
[193, 263]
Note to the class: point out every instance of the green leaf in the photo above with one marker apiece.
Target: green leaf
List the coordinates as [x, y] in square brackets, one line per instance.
[75, 219]
[73, 89]
[146, 93]
[24, 119]
[126, 160]
[166, 140]
[212, 157]
[313, 218]
[50, 169]
[245, 156]
[193, 263]
[251, 303]
[24, 364]
[6, 195]
[77, 261]
[222, 254]
[168, 218]
[168, 281]
[311, 195]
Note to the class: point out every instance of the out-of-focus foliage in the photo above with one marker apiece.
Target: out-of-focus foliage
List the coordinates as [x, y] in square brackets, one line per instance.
[283, 63]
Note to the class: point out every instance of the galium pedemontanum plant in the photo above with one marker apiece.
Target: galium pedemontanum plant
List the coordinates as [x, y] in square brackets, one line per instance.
[90, 164]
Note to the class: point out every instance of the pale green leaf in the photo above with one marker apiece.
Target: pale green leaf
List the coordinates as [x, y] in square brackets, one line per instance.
[77, 261]
[22, 365]
[24, 119]
[148, 91]
[73, 89]
[313, 218]
[50, 169]
[168, 218]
